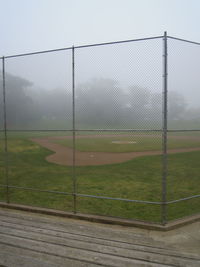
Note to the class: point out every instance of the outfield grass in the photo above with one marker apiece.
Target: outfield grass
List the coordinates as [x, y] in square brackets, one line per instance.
[135, 179]
[142, 143]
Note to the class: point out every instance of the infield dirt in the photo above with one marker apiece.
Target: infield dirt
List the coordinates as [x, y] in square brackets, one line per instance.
[64, 155]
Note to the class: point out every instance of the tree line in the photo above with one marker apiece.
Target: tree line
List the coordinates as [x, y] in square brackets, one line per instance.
[100, 102]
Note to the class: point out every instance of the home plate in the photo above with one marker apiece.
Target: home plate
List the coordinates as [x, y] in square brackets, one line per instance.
[124, 142]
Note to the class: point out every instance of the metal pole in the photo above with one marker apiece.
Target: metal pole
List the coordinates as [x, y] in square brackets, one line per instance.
[74, 131]
[164, 133]
[5, 132]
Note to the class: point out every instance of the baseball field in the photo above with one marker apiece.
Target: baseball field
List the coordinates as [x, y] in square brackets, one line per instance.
[117, 165]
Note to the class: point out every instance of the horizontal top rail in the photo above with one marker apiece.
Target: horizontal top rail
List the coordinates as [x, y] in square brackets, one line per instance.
[120, 42]
[96, 44]
[37, 52]
[183, 40]
[80, 46]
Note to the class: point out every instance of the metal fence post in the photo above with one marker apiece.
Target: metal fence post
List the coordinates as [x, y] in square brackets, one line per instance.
[74, 131]
[5, 132]
[164, 132]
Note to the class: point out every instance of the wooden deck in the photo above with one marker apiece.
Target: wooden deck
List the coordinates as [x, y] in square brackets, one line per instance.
[31, 240]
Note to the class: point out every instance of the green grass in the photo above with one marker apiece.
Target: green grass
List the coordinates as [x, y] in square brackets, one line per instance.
[135, 179]
[143, 143]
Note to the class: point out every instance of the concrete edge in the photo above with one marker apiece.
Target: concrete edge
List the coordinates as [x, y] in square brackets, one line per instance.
[105, 219]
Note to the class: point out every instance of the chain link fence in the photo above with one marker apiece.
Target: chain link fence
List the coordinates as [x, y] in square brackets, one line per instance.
[109, 129]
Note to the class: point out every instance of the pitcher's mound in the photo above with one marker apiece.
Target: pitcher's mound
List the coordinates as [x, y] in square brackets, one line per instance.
[124, 142]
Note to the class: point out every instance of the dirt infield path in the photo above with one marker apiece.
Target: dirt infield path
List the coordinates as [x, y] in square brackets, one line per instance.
[64, 155]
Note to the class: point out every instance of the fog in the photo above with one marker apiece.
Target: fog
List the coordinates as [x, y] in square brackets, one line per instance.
[99, 103]
[116, 86]
[183, 70]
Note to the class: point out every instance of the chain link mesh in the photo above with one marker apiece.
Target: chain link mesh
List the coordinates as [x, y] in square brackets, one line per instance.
[39, 113]
[2, 161]
[183, 126]
[119, 87]
[85, 129]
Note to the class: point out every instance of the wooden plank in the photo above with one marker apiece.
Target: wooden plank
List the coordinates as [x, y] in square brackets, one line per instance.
[36, 240]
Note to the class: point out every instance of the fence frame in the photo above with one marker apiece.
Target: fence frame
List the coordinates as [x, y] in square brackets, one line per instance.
[164, 133]
[163, 204]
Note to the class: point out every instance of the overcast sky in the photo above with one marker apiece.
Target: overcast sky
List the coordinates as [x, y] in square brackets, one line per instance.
[35, 25]
[30, 25]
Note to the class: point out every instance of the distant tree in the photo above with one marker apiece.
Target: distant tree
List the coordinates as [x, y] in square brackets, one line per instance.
[102, 102]
[99, 102]
[192, 113]
[19, 106]
[137, 104]
[176, 105]
[55, 103]
[155, 110]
